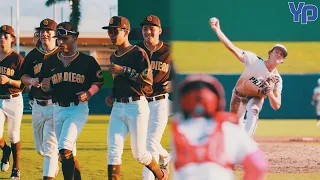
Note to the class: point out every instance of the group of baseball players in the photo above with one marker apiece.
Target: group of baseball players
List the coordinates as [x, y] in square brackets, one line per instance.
[207, 142]
[60, 81]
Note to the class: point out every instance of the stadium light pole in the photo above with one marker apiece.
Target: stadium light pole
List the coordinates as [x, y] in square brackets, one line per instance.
[54, 11]
[17, 28]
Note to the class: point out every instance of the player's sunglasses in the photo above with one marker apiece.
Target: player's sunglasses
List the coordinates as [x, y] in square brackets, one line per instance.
[6, 36]
[61, 32]
[115, 31]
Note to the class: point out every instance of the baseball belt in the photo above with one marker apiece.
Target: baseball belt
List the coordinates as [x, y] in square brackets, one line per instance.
[127, 99]
[9, 96]
[156, 98]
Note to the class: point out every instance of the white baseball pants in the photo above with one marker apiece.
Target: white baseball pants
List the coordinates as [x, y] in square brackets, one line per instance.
[253, 106]
[69, 122]
[45, 137]
[12, 111]
[127, 118]
[159, 112]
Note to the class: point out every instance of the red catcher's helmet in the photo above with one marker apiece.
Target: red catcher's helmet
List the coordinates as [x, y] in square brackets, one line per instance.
[201, 95]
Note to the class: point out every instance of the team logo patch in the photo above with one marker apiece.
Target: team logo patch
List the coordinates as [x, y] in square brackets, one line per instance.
[149, 18]
[45, 22]
[111, 21]
[60, 27]
[99, 74]
[4, 28]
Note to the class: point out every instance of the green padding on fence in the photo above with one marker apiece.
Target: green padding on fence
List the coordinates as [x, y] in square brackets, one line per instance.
[249, 20]
[107, 79]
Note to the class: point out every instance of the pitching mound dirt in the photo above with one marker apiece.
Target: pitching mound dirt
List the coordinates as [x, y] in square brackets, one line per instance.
[291, 154]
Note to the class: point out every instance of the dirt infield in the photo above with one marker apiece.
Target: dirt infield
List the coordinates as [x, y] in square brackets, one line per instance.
[291, 154]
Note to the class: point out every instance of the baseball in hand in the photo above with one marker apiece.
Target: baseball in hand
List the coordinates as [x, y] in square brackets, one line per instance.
[213, 20]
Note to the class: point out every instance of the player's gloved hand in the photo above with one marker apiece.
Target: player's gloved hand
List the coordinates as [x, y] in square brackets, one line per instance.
[109, 101]
[115, 68]
[274, 79]
[45, 84]
[35, 82]
[267, 88]
[4, 79]
[214, 23]
[84, 96]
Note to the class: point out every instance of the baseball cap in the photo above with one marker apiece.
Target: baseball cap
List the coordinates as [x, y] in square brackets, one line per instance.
[283, 48]
[7, 29]
[47, 24]
[151, 20]
[118, 22]
[65, 29]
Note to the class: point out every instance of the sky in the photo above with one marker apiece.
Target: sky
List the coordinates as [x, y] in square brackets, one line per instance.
[95, 13]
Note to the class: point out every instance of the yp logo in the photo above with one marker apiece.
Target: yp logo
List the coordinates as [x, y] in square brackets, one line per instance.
[300, 13]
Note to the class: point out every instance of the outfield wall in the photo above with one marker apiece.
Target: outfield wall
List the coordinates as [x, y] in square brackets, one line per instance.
[296, 97]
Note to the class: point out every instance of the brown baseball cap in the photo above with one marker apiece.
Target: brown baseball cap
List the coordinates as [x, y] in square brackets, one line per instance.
[66, 28]
[47, 24]
[151, 20]
[118, 22]
[7, 29]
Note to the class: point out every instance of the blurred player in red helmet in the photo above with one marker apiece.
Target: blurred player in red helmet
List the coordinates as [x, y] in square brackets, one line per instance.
[207, 141]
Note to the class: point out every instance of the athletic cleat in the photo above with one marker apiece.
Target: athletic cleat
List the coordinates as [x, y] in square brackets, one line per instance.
[15, 174]
[5, 163]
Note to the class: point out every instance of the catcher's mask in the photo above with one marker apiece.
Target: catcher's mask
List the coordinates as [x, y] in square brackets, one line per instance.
[201, 96]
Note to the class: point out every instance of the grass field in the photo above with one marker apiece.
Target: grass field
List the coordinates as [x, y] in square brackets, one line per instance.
[92, 149]
[214, 57]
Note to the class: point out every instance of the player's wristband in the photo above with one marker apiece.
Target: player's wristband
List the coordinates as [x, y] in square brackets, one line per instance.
[93, 89]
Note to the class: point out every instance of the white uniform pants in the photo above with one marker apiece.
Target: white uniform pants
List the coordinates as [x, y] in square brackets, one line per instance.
[253, 106]
[159, 112]
[12, 111]
[45, 138]
[127, 118]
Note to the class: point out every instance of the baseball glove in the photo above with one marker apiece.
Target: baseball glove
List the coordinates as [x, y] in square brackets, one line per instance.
[270, 82]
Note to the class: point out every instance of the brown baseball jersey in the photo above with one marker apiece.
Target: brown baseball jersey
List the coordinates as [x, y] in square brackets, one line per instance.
[32, 66]
[161, 65]
[66, 82]
[11, 66]
[137, 80]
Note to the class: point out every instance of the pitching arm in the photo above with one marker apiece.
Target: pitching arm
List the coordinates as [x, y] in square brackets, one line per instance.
[215, 25]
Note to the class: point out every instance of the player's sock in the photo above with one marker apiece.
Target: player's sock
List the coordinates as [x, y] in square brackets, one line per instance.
[67, 161]
[113, 172]
[155, 169]
[16, 148]
[3, 143]
[77, 172]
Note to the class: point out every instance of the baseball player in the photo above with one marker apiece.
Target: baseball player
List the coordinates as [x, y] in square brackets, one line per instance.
[130, 67]
[160, 59]
[208, 142]
[259, 80]
[41, 102]
[74, 77]
[11, 101]
[316, 101]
